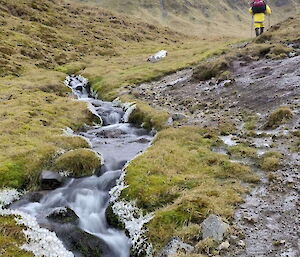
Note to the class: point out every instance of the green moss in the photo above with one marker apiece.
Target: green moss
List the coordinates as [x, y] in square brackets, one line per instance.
[12, 174]
[79, 162]
[11, 238]
[278, 117]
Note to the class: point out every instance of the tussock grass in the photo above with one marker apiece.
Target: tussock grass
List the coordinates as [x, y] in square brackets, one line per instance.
[148, 117]
[243, 150]
[184, 183]
[79, 162]
[210, 69]
[11, 237]
[271, 161]
[279, 117]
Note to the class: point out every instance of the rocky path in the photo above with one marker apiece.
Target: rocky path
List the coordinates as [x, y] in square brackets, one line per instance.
[268, 220]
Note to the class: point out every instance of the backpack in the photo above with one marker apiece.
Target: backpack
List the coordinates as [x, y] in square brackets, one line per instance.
[258, 6]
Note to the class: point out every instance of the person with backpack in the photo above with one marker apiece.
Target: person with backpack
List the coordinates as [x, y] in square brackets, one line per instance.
[259, 9]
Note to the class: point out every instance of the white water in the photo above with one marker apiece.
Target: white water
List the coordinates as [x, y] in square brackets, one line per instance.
[89, 197]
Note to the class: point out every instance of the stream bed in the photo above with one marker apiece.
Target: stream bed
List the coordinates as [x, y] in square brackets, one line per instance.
[88, 197]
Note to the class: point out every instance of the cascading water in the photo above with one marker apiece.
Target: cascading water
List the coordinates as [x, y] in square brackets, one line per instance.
[118, 142]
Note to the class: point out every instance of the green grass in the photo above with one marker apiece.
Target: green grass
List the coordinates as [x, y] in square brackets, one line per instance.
[185, 182]
[11, 238]
[271, 161]
[243, 150]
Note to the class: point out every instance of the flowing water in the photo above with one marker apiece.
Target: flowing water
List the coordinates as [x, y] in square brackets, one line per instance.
[118, 142]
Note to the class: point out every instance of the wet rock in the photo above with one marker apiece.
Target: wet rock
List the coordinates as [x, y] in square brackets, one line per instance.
[214, 227]
[50, 180]
[63, 215]
[81, 242]
[113, 219]
[175, 246]
[79, 88]
[35, 197]
[111, 133]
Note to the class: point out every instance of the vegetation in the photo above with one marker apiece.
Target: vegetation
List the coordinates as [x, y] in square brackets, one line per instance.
[278, 117]
[33, 111]
[243, 150]
[79, 162]
[149, 117]
[184, 183]
[270, 161]
[11, 238]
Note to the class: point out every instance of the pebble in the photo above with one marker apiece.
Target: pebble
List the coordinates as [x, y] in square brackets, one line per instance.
[241, 243]
[224, 246]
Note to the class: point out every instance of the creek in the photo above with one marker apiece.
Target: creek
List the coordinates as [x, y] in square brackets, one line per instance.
[118, 142]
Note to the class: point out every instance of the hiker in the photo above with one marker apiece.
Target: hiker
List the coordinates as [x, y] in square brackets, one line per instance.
[259, 9]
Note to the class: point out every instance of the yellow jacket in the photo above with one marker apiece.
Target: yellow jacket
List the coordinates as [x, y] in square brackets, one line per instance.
[260, 17]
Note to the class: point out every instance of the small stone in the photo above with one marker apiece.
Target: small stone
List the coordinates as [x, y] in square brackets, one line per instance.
[214, 227]
[178, 116]
[279, 243]
[224, 246]
[241, 243]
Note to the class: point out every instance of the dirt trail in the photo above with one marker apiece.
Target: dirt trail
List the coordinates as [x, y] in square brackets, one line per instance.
[269, 218]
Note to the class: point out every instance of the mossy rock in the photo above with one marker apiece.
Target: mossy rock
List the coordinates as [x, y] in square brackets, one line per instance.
[279, 117]
[79, 162]
[113, 219]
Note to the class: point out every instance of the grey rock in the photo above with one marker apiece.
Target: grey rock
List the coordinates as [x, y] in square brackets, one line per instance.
[50, 180]
[178, 116]
[214, 227]
[174, 246]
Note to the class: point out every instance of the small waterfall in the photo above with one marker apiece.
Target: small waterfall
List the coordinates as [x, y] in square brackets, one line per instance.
[88, 197]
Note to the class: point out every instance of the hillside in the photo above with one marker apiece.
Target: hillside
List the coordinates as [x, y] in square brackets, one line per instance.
[224, 125]
[42, 41]
[209, 17]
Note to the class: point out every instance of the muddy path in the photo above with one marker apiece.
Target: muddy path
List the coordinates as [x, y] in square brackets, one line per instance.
[268, 221]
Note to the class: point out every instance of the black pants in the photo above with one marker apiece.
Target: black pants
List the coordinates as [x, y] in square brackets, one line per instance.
[259, 31]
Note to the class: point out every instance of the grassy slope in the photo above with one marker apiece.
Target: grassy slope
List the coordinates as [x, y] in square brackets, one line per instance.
[185, 182]
[222, 17]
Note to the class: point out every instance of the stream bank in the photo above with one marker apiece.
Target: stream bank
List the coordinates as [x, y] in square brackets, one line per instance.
[76, 211]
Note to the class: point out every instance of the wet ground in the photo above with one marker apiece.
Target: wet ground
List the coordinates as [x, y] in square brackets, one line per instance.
[268, 220]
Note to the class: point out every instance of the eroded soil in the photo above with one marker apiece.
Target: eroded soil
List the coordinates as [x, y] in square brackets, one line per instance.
[268, 220]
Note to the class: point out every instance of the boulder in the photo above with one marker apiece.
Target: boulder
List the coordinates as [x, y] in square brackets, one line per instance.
[80, 242]
[178, 116]
[213, 227]
[50, 180]
[63, 215]
[175, 246]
